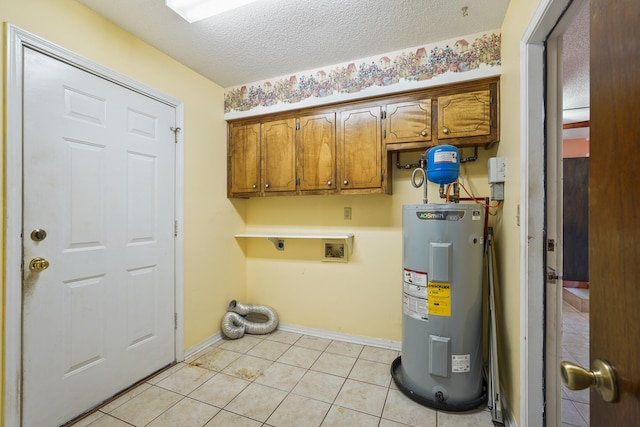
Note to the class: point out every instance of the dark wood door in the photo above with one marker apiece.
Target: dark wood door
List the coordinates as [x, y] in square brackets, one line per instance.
[614, 213]
[575, 223]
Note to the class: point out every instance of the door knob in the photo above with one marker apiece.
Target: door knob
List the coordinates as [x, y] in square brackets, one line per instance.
[38, 264]
[602, 377]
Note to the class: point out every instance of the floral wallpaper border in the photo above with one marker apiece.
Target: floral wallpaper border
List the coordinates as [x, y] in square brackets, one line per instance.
[418, 67]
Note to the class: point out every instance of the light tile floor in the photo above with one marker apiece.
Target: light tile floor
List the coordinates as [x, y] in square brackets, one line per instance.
[575, 348]
[280, 379]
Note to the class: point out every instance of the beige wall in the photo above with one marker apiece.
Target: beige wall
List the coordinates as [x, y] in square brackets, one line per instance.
[362, 297]
[214, 266]
[508, 242]
[359, 298]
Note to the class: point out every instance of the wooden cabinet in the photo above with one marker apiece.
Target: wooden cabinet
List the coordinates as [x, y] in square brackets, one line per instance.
[279, 156]
[407, 122]
[360, 150]
[346, 148]
[464, 115]
[243, 162]
[317, 152]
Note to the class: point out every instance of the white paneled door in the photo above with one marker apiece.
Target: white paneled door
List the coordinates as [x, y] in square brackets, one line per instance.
[98, 239]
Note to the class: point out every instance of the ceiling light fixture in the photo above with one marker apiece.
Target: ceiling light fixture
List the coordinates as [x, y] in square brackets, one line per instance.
[196, 10]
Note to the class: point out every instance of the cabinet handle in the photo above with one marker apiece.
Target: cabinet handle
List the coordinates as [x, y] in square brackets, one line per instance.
[445, 130]
[329, 183]
[255, 186]
[423, 133]
[346, 182]
[266, 186]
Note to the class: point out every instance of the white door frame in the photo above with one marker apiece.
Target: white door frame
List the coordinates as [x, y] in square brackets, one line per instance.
[17, 40]
[538, 398]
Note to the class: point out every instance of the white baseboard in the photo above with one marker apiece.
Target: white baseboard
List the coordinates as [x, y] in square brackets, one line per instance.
[320, 333]
[339, 336]
[509, 421]
[189, 353]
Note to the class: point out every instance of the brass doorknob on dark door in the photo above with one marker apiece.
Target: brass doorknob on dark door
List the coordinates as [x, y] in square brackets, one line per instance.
[38, 264]
[602, 377]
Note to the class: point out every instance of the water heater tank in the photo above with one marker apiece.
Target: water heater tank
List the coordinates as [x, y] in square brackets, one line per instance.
[441, 361]
[443, 164]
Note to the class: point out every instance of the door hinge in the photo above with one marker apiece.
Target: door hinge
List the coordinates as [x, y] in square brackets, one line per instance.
[383, 114]
[175, 131]
[175, 228]
[297, 125]
[551, 245]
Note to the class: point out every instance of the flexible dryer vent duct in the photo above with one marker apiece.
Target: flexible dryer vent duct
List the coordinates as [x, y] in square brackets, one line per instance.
[234, 324]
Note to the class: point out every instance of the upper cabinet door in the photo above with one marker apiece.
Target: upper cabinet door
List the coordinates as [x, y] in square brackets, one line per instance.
[408, 122]
[317, 152]
[279, 155]
[464, 115]
[360, 148]
[243, 174]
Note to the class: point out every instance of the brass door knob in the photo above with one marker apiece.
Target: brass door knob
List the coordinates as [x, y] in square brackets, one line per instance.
[423, 133]
[345, 182]
[602, 377]
[445, 130]
[38, 264]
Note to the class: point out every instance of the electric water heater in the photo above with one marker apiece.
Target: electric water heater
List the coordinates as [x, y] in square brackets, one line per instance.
[441, 363]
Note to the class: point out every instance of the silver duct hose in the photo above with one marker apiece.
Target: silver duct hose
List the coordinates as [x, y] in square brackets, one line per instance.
[235, 325]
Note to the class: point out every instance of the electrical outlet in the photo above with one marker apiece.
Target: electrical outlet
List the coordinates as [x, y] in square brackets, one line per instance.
[347, 213]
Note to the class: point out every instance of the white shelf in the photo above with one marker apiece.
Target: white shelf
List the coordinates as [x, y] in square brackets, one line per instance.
[276, 238]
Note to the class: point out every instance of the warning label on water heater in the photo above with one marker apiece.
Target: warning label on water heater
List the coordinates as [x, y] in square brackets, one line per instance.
[414, 295]
[439, 297]
[460, 363]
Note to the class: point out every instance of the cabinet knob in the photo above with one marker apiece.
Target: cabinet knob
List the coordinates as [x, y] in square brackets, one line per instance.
[266, 186]
[329, 183]
[423, 133]
[445, 130]
[255, 186]
[346, 182]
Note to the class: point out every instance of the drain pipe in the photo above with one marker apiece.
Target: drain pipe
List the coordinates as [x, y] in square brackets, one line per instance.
[235, 324]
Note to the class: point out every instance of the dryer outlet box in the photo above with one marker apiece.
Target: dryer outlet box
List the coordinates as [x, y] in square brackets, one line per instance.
[334, 251]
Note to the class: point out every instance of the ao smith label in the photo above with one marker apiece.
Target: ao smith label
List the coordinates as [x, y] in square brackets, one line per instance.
[440, 215]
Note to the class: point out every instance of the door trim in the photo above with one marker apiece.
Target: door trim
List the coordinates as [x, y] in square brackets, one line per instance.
[17, 40]
[534, 392]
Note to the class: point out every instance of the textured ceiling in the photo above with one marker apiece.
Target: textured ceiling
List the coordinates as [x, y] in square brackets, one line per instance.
[273, 38]
[575, 65]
